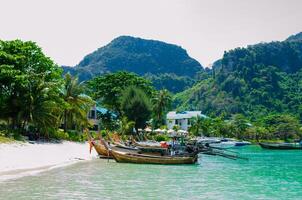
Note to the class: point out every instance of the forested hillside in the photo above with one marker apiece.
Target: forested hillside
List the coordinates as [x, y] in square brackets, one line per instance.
[166, 65]
[257, 80]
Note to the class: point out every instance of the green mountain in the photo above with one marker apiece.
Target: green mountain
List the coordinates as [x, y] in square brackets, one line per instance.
[149, 58]
[296, 37]
[254, 81]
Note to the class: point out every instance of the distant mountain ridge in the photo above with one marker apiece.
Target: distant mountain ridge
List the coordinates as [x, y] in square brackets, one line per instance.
[296, 37]
[256, 80]
[282, 54]
[141, 56]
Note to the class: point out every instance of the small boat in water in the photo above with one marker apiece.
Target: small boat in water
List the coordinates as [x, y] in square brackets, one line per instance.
[209, 140]
[128, 157]
[101, 149]
[241, 143]
[149, 155]
[223, 145]
[147, 144]
[169, 154]
[281, 146]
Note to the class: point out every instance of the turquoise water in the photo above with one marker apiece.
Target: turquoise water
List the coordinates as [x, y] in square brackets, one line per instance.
[267, 175]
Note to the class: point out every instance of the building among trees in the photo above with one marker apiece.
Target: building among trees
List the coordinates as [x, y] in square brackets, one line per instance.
[182, 119]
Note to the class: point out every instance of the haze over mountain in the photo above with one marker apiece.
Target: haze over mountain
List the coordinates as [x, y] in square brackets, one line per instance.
[255, 81]
[167, 65]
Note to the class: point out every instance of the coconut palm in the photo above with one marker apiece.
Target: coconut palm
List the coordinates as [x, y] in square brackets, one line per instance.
[126, 126]
[200, 126]
[76, 104]
[241, 124]
[161, 103]
[45, 110]
[43, 106]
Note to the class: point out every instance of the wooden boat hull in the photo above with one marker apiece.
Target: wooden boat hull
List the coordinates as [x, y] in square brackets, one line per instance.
[99, 146]
[124, 157]
[101, 150]
[146, 146]
[280, 146]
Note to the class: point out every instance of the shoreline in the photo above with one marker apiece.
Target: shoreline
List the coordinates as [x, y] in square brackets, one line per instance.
[19, 159]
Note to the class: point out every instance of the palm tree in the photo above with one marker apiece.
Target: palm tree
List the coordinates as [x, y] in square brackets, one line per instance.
[77, 104]
[195, 127]
[126, 126]
[200, 125]
[43, 107]
[241, 124]
[45, 113]
[161, 104]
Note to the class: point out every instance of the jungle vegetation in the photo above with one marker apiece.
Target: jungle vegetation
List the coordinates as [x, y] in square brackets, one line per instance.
[251, 93]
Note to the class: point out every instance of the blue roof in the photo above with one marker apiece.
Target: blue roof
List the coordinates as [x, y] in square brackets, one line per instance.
[101, 110]
[104, 111]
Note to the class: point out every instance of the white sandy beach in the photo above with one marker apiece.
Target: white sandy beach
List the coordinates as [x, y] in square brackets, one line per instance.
[21, 159]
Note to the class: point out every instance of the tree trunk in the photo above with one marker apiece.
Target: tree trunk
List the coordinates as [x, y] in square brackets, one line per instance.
[65, 121]
[23, 127]
[136, 131]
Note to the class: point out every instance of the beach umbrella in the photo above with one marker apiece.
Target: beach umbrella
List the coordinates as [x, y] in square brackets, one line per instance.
[159, 130]
[182, 132]
[170, 131]
[173, 134]
[148, 129]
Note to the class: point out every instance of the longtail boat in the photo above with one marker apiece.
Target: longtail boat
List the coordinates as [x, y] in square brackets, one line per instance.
[136, 156]
[103, 152]
[130, 157]
[99, 147]
[281, 146]
[147, 144]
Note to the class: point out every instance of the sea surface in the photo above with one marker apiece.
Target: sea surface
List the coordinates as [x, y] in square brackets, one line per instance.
[268, 174]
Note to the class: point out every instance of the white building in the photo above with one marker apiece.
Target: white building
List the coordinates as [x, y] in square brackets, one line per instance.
[182, 119]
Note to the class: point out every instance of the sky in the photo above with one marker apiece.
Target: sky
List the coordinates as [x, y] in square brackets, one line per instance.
[67, 30]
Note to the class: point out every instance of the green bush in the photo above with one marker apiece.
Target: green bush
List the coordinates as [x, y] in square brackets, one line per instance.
[160, 138]
[70, 135]
[77, 136]
[61, 135]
